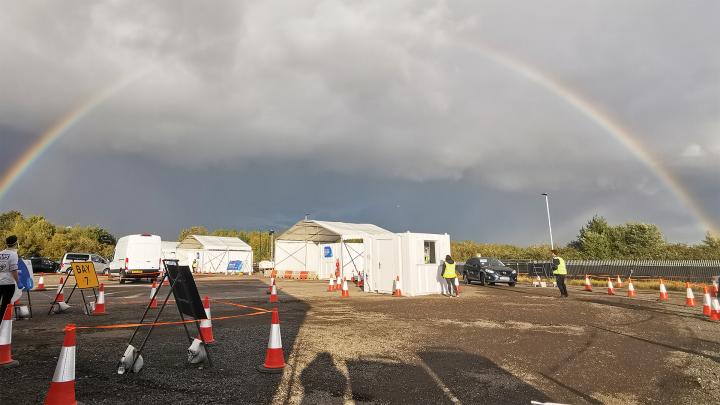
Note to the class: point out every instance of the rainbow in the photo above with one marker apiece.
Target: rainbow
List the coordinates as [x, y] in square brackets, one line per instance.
[621, 134]
[49, 137]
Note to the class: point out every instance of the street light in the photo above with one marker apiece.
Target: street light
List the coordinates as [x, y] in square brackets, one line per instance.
[547, 206]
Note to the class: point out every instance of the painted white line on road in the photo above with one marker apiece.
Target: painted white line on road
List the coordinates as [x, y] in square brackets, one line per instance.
[439, 383]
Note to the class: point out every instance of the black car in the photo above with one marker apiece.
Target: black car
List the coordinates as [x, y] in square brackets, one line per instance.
[488, 270]
[44, 265]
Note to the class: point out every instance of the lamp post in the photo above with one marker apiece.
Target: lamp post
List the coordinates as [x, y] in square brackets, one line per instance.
[547, 207]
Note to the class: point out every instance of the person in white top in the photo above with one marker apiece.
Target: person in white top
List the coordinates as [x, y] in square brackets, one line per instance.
[8, 272]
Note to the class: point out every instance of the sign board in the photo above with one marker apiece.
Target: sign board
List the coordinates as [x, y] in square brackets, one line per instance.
[327, 251]
[235, 265]
[185, 291]
[25, 275]
[85, 275]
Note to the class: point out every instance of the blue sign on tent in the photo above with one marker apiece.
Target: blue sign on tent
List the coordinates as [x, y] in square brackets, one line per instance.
[328, 251]
[235, 265]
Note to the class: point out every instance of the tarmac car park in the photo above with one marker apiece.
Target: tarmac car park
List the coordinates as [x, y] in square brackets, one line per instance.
[523, 345]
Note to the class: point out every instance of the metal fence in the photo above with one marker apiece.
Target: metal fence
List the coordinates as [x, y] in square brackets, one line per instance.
[683, 270]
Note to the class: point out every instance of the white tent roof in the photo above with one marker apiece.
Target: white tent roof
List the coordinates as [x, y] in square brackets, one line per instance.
[324, 231]
[213, 243]
[168, 245]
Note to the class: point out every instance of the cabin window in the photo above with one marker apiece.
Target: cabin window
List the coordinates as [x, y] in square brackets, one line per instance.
[430, 252]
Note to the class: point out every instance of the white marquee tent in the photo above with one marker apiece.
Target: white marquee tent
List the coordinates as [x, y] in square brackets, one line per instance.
[316, 246]
[216, 254]
[364, 249]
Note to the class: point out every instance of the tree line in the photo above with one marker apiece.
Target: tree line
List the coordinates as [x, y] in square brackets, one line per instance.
[38, 237]
[597, 239]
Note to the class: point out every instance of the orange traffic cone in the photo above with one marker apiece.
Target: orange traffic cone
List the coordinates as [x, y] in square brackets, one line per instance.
[707, 302]
[663, 291]
[6, 359]
[206, 324]
[631, 289]
[457, 286]
[153, 290]
[715, 289]
[588, 285]
[272, 283]
[715, 312]
[361, 282]
[41, 284]
[165, 278]
[345, 291]
[619, 282]
[274, 355]
[100, 304]
[338, 283]
[689, 297]
[397, 291]
[62, 387]
[273, 294]
[60, 297]
[611, 289]
[331, 285]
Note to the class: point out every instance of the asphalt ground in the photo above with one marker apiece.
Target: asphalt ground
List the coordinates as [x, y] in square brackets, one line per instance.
[491, 345]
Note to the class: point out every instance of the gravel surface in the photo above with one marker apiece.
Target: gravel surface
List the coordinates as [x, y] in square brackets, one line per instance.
[491, 345]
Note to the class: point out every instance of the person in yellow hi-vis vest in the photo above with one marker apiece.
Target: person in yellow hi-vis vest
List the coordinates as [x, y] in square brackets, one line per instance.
[560, 271]
[449, 275]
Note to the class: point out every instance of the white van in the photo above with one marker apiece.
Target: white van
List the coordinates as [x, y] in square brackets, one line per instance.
[137, 257]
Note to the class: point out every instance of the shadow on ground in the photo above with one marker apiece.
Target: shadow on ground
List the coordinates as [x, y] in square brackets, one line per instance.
[438, 377]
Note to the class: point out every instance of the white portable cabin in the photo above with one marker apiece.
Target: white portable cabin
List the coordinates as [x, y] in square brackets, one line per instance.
[216, 254]
[422, 257]
[316, 246]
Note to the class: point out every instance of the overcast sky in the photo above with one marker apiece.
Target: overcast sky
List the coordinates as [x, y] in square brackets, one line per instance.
[250, 114]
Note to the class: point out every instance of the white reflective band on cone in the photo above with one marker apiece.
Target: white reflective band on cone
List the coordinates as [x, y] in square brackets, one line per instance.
[6, 333]
[662, 288]
[275, 341]
[206, 323]
[101, 298]
[65, 370]
[690, 293]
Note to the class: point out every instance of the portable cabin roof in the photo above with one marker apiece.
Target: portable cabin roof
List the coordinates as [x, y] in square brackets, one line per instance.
[327, 232]
[204, 242]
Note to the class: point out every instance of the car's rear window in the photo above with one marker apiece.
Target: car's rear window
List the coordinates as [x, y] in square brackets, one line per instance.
[73, 256]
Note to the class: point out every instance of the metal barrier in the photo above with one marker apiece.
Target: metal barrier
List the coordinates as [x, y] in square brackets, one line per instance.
[682, 270]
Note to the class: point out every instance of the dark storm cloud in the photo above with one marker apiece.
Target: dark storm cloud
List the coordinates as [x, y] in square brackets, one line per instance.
[384, 102]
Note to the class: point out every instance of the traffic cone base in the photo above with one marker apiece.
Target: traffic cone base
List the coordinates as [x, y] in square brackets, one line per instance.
[707, 302]
[273, 294]
[631, 290]
[690, 296]
[6, 359]
[397, 291]
[206, 324]
[62, 387]
[663, 292]
[41, 284]
[274, 356]
[153, 300]
[611, 289]
[100, 304]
